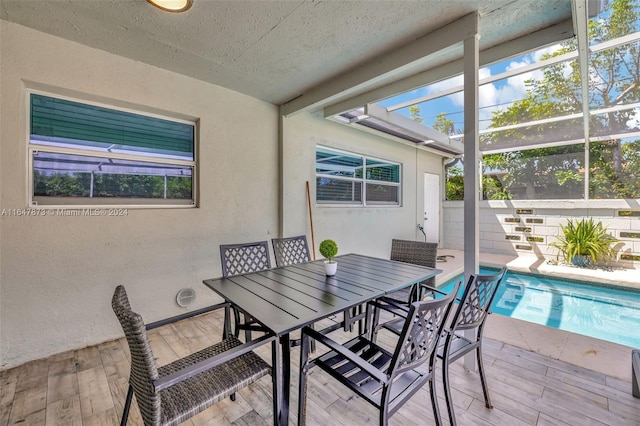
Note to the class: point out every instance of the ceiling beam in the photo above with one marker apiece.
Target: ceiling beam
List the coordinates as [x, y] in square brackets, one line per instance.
[535, 40]
[377, 69]
[419, 130]
[428, 135]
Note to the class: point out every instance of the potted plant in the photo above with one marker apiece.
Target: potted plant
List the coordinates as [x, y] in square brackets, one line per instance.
[329, 249]
[584, 242]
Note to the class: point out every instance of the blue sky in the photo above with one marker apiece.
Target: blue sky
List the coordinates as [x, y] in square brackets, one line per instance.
[493, 96]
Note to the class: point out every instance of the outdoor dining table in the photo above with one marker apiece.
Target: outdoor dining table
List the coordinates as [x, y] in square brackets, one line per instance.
[288, 298]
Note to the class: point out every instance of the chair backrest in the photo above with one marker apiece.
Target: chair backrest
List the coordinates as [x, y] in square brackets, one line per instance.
[143, 365]
[415, 252]
[421, 332]
[292, 250]
[476, 300]
[240, 259]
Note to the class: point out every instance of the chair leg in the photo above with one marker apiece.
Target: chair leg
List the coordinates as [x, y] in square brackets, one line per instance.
[227, 322]
[483, 378]
[236, 319]
[361, 323]
[352, 312]
[313, 342]
[384, 409]
[434, 399]
[302, 386]
[413, 294]
[373, 324]
[445, 380]
[127, 406]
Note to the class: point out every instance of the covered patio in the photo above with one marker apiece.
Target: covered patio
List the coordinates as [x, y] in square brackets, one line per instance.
[258, 120]
[540, 376]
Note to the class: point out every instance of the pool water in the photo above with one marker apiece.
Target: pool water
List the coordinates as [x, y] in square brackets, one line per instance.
[597, 310]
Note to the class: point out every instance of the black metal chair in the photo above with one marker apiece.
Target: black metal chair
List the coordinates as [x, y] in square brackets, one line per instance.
[471, 314]
[238, 259]
[384, 379]
[171, 394]
[417, 253]
[292, 250]
[243, 258]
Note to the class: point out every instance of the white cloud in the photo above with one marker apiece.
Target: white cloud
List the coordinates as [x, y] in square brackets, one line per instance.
[634, 121]
[443, 85]
[497, 95]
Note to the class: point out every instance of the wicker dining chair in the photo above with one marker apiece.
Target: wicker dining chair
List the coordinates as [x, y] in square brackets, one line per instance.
[418, 253]
[471, 314]
[291, 250]
[383, 378]
[170, 394]
[238, 259]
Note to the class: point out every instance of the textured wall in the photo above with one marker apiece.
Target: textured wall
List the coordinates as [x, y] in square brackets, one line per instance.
[366, 230]
[57, 274]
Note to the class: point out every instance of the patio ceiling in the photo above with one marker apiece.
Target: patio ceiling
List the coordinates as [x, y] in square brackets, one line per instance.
[279, 50]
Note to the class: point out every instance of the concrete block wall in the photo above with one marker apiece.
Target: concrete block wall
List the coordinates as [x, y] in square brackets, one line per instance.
[528, 229]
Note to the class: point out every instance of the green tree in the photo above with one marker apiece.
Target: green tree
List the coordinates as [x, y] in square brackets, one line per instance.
[444, 125]
[454, 186]
[558, 172]
[61, 184]
[179, 187]
[414, 113]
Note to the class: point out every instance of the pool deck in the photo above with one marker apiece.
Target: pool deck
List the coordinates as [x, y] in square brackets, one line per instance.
[606, 357]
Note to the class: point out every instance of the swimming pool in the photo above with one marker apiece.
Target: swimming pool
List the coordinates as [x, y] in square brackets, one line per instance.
[597, 310]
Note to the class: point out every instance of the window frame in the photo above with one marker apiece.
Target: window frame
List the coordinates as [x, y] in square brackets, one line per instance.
[70, 202]
[362, 180]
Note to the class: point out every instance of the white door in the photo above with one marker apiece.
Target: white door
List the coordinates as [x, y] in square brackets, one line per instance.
[432, 207]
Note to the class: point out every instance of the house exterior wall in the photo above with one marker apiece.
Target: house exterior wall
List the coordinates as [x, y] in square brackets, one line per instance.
[366, 230]
[57, 273]
[528, 228]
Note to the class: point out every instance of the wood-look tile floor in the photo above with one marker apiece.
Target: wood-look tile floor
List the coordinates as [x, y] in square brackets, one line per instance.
[88, 387]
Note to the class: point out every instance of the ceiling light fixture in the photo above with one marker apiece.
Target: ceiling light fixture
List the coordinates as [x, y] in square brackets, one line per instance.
[172, 5]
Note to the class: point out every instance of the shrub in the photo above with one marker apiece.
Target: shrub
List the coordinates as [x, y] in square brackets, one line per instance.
[584, 242]
[329, 249]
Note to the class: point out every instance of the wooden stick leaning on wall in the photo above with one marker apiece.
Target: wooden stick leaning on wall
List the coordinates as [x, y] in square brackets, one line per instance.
[313, 240]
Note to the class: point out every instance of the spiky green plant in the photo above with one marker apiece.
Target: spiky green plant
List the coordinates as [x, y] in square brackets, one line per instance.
[585, 237]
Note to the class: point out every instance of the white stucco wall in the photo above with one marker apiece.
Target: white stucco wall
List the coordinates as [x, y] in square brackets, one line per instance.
[57, 274]
[366, 230]
[500, 231]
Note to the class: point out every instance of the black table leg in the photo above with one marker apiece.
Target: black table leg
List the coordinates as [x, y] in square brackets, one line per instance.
[276, 377]
[285, 345]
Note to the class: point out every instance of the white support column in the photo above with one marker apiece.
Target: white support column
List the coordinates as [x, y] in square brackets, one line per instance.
[471, 166]
[281, 164]
[581, 20]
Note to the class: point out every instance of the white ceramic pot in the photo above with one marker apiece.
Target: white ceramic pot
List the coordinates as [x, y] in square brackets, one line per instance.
[330, 267]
